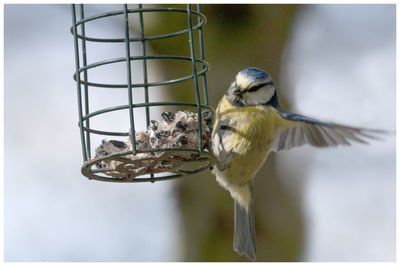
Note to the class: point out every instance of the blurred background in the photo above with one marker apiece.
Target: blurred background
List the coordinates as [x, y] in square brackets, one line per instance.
[331, 62]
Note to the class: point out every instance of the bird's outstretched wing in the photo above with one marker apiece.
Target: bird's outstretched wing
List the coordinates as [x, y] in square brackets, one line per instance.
[304, 130]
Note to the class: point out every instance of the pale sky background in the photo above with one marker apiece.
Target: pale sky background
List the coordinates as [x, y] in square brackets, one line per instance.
[52, 212]
[339, 59]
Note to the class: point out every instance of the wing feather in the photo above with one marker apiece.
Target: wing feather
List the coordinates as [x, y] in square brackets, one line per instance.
[320, 134]
[302, 136]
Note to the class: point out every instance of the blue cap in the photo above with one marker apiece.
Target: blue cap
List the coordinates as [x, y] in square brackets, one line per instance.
[256, 73]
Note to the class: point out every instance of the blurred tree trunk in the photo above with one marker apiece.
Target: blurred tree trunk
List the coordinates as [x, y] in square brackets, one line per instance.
[235, 37]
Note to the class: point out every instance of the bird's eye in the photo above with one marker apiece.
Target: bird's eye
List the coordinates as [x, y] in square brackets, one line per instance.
[259, 86]
[255, 88]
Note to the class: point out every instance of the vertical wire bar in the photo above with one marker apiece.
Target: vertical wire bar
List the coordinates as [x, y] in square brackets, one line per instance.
[129, 80]
[85, 78]
[145, 80]
[78, 83]
[205, 93]
[146, 88]
[196, 82]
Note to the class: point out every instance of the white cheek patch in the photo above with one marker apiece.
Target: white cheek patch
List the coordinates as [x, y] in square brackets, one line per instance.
[261, 96]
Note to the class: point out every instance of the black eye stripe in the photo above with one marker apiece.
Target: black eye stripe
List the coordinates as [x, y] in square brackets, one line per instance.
[256, 88]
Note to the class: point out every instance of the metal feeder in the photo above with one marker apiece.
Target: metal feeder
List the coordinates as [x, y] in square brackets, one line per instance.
[127, 162]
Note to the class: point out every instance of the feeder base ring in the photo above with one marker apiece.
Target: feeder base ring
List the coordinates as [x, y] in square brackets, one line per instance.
[126, 167]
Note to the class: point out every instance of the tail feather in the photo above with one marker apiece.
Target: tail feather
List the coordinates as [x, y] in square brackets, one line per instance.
[244, 239]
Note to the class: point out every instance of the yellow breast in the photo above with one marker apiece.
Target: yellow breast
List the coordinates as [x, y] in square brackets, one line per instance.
[254, 131]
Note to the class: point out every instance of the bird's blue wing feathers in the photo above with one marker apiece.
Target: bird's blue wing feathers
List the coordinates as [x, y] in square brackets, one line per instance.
[302, 118]
[320, 134]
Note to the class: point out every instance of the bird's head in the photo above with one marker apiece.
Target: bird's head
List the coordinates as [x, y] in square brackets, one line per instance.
[252, 86]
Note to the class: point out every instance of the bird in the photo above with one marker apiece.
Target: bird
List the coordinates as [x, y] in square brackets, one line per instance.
[249, 124]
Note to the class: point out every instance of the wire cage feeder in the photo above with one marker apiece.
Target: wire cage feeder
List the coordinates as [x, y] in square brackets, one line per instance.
[123, 165]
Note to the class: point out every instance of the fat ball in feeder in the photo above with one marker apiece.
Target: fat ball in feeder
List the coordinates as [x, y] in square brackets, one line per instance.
[176, 130]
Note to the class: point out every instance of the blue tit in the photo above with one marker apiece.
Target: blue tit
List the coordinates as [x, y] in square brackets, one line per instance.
[249, 124]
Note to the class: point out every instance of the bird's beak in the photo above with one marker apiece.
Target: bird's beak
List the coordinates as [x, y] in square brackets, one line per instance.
[236, 91]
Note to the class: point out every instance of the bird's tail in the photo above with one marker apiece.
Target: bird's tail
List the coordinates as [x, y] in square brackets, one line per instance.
[244, 239]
